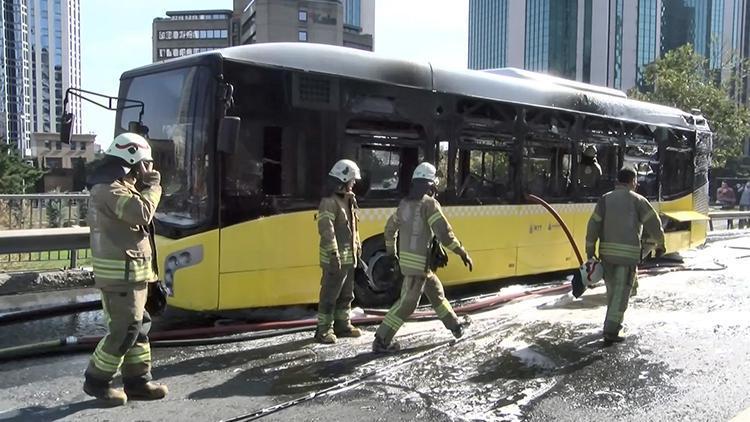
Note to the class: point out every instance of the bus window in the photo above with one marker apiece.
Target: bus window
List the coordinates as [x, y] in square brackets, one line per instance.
[597, 168]
[380, 168]
[546, 169]
[178, 114]
[484, 174]
[442, 166]
[678, 174]
[386, 170]
[644, 159]
[272, 160]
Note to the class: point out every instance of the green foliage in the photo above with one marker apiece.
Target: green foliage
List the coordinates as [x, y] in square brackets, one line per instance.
[15, 175]
[54, 213]
[83, 211]
[682, 79]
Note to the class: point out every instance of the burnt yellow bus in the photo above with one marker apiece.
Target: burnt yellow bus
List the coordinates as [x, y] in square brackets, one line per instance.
[244, 137]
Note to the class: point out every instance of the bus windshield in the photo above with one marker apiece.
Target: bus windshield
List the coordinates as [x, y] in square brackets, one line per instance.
[178, 113]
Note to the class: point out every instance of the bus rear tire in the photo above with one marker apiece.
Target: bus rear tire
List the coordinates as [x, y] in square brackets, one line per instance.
[385, 286]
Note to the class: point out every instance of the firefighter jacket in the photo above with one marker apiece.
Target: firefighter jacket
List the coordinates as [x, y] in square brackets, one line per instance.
[120, 240]
[617, 223]
[339, 232]
[416, 222]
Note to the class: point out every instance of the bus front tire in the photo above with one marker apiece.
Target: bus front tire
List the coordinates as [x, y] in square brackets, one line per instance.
[385, 286]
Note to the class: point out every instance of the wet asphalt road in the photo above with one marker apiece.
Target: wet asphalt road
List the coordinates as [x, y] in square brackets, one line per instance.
[686, 358]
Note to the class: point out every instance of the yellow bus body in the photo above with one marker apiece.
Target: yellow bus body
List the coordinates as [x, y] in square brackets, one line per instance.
[273, 261]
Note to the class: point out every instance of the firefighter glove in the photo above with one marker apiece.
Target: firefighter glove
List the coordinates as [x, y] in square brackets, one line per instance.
[467, 261]
[659, 251]
[151, 178]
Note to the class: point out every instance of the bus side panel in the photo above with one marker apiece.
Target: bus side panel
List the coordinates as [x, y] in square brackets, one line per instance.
[488, 233]
[698, 233]
[194, 264]
[542, 243]
[678, 240]
[272, 287]
[270, 261]
[699, 229]
[578, 223]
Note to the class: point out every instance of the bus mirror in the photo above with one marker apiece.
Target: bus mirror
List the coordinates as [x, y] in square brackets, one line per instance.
[66, 125]
[229, 133]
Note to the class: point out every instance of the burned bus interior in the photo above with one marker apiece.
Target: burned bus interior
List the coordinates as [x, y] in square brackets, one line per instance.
[491, 145]
[295, 124]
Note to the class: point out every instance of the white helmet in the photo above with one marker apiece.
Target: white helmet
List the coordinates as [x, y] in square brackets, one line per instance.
[130, 147]
[592, 271]
[588, 274]
[425, 171]
[345, 170]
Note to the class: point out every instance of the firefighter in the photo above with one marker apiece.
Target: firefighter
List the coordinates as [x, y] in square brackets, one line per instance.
[125, 192]
[418, 220]
[589, 170]
[617, 223]
[339, 253]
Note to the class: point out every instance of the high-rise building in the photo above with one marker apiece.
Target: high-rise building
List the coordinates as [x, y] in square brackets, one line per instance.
[349, 23]
[191, 31]
[41, 58]
[604, 42]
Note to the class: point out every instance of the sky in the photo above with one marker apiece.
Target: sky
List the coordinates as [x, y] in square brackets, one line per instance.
[116, 36]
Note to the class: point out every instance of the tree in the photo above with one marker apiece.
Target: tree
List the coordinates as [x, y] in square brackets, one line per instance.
[683, 79]
[15, 175]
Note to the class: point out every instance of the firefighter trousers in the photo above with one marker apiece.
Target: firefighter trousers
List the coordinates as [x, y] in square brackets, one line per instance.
[620, 281]
[336, 296]
[411, 291]
[125, 347]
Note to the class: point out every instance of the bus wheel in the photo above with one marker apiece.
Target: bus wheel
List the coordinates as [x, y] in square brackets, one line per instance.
[383, 286]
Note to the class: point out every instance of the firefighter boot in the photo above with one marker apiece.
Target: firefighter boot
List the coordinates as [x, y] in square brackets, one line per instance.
[458, 332]
[344, 328]
[324, 332]
[146, 391]
[103, 390]
[609, 339]
[379, 346]
[325, 336]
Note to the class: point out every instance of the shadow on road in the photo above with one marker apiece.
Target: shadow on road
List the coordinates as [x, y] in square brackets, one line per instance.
[226, 360]
[40, 413]
[296, 376]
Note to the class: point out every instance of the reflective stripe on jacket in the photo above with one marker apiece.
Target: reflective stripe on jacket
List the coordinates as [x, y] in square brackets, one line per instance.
[415, 222]
[338, 229]
[617, 222]
[119, 217]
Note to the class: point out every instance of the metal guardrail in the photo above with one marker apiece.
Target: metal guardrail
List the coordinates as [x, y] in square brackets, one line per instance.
[729, 216]
[43, 210]
[42, 240]
[25, 242]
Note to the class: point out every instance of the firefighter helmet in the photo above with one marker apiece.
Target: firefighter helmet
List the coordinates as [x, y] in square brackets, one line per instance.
[427, 172]
[345, 171]
[592, 271]
[588, 274]
[131, 148]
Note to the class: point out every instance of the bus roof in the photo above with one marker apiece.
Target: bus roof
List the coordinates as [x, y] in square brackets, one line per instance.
[504, 85]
